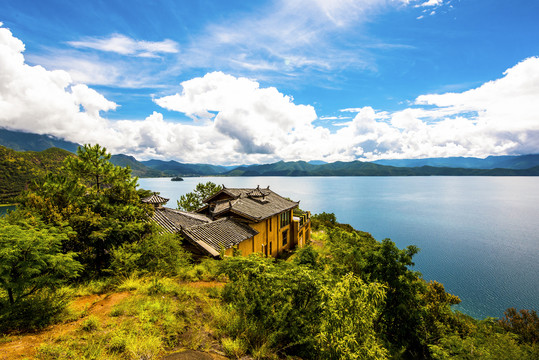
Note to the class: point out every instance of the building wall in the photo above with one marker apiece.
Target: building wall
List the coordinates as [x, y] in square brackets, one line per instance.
[269, 240]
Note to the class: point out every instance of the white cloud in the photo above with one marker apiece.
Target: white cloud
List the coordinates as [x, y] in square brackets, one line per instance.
[34, 99]
[431, 3]
[123, 45]
[279, 40]
[236, 121]
[334, 117]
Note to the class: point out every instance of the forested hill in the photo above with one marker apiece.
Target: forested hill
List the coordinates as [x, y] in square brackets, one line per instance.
[17, 169]
[22, 141]
[358, 168]
[137, 168]
[490, 162]
[173, 168]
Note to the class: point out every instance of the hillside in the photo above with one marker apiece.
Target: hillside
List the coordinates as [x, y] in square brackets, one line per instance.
[490, 162]
[22, 141]
[358, 168]
[137, 168]
[174, 168]
[17, 169]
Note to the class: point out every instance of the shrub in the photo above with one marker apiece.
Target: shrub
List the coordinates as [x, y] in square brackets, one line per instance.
[158, 253]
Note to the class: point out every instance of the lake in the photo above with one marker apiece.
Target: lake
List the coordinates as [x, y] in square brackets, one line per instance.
[479, 236]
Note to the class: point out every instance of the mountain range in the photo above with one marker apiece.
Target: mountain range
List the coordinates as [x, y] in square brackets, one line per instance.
[518, 165]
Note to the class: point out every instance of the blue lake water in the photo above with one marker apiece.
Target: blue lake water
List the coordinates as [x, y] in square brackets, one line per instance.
[479, 236]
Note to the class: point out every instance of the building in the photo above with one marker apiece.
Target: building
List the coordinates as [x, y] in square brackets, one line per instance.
[238, 220]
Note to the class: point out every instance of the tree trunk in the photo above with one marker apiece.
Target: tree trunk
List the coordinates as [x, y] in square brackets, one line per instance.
[10, 295]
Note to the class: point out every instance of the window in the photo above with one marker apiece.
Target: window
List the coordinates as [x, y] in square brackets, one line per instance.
[270, 250]
[285, 218]
[285, 237]
[270, 221]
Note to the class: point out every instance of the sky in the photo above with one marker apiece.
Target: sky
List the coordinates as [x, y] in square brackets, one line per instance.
[250, 82]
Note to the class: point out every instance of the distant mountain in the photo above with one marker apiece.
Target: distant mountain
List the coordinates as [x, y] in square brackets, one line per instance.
[174, 168]
[491, 162]
[317, 162]
[22, 141]
[137, 168]
[358, 168]
[17, 169]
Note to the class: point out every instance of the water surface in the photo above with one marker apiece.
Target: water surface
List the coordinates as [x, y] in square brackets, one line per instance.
[479, 236]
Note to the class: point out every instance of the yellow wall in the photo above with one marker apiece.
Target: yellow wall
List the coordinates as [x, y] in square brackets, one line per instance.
[269, 235]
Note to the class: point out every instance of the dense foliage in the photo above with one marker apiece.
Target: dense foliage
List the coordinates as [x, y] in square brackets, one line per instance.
[18, 169]
[32, 267]
[96, 202]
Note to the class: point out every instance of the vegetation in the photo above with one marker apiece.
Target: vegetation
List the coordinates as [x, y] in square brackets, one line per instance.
[195, 200]
[137, 168]
[18, 169]
[95, 202]
[22, 141]
[346, 296]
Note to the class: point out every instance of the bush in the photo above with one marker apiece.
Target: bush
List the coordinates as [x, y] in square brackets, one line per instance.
[34, 312]
[159, 253]
[278, 303]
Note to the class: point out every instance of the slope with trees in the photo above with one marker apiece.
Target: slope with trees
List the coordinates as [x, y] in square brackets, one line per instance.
[19, 169]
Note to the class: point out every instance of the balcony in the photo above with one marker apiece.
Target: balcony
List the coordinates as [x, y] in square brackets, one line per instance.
[303, 217]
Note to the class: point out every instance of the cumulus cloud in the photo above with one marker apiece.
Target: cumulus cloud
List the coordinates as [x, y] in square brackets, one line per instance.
[259, 120]
[124, 45]
[499, 117]
[236, 121]
[37, 100]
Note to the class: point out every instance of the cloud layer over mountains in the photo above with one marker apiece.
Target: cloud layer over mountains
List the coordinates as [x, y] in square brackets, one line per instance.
[234, 120]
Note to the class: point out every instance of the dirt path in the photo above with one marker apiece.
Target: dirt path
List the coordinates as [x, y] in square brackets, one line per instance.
[24, 346]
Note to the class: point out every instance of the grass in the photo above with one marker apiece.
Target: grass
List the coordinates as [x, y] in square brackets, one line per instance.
[159, 315]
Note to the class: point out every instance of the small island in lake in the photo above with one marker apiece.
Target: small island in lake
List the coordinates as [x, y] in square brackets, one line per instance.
[176, 178]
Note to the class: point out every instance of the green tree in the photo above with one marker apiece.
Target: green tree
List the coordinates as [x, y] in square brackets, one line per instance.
[161, 254]
[195, 200]
[279, 303]
[31, 260]
[97, 200]
[524, 323]
[347, 330]
[383, 262]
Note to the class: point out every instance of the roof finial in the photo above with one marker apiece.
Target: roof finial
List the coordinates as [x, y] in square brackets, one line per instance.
[267, 187]
[258, 186]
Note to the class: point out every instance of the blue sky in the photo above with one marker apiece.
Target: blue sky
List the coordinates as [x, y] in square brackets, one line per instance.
[230, 82]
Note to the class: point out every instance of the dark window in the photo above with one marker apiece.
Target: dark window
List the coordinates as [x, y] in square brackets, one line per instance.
[270, 220]
[285, 218]
[285, 237]
[270, 250]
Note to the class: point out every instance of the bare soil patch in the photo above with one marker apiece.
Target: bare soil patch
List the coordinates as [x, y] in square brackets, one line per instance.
[24, 346]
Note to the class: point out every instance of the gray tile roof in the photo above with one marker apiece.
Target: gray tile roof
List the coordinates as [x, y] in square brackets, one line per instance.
[222, 233]
[174, 220]
[155, 199]
[255, 204]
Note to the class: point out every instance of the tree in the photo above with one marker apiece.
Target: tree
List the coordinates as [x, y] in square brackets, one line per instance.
[524, 323]
[97, 200]
[350, 309]
[31, 260]
[195, 200]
